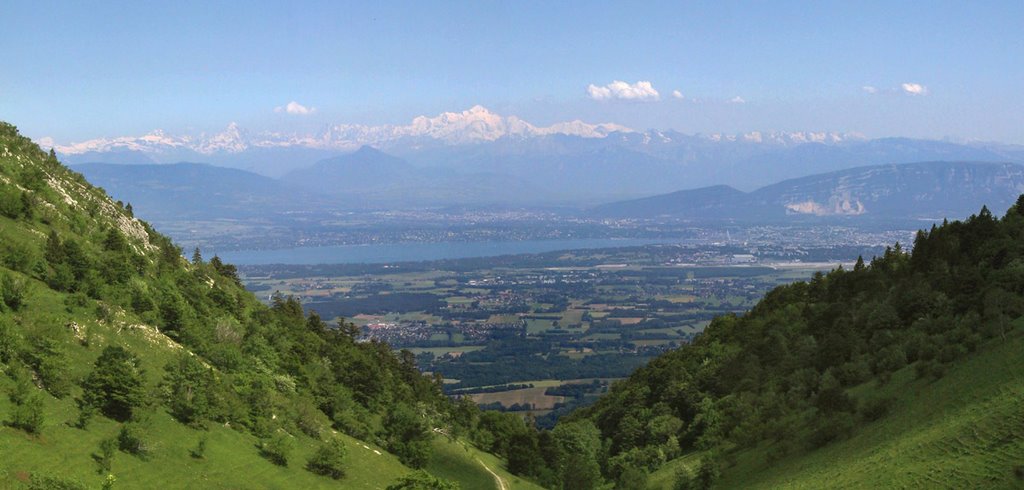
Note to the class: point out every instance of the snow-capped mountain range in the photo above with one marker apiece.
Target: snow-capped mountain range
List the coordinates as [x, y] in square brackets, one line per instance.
[475, 125]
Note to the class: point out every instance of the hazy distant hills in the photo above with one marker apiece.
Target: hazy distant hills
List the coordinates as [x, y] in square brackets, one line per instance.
[371, 178]
[479, 158]
[899, 191]
[362, 169]
[194, 190]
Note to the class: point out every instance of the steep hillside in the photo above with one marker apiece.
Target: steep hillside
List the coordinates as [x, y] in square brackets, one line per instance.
[927, 190]
[120, 359]
[902, 372]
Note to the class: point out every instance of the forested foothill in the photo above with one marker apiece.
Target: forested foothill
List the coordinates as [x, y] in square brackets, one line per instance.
[813, 364]
[112, 341]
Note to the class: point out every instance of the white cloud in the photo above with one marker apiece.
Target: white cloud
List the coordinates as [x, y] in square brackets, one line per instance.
[295, 108]
[870, 89]
[914, 89]
[737, 100]
[641, 90]
[677, 94]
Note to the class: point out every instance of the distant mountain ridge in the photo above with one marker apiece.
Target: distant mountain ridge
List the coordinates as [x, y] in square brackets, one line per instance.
[570, 163]
[366, 167]
[926, 190]
[473, 125]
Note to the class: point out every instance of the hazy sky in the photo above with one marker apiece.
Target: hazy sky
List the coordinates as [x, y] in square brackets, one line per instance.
[78, 70]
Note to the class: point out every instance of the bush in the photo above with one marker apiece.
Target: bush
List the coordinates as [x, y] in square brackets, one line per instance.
[13, 291]
[421, 480]
[186, 389]
[108, 448]
[631, 478]
[684, 479]
[873, 410]
[307, 418]
[115, 386]
[831, 428]
[709, 472]
[28, 415]
[329, 459]
[131, 440]
[407, 436]
[200, 450]
[49, 359]
[40, 482]
[9, 341]
[277, 448]
[85, 413]
[20, 258]
[931, 368]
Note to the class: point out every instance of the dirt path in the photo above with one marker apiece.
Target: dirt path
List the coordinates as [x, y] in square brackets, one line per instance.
[498, 479]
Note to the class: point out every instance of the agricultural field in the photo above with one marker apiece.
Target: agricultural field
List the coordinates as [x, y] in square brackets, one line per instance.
[558, 316]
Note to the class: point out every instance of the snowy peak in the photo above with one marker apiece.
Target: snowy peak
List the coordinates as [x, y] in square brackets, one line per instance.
[152, 142]
[474, 125]
[231, 140]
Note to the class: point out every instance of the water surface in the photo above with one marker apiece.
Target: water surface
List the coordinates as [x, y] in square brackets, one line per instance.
[408, 252]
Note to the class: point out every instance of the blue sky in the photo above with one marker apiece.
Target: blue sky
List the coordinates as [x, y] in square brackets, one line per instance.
[74, 71]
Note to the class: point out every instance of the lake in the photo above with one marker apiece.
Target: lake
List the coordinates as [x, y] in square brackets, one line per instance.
[409, 252]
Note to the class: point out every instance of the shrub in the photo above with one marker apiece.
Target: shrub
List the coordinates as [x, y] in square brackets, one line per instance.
[684, 479]
[85, 413]
[42, 482]
[28, 415]
[831, 428]
[108, 448]
[131, 440]
[306, 418]
[709, 472]
[115, 386]
[9, 341]
[931, 368]
[186, 387]
[20, 258]
[421, 480]
[14, 291]
[200, 450]
[277, 448]
[49, 359]
[329, 459]
[631, 478]
[875, 409]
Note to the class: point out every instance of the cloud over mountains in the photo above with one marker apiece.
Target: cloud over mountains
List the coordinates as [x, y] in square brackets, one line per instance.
[295, 108]
[641, 90]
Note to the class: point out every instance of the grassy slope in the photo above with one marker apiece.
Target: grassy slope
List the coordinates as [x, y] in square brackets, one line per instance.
[965, 430]
[232, 458]
[465, 464]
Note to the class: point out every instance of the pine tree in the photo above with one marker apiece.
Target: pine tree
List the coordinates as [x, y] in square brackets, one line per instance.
[116, 385]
